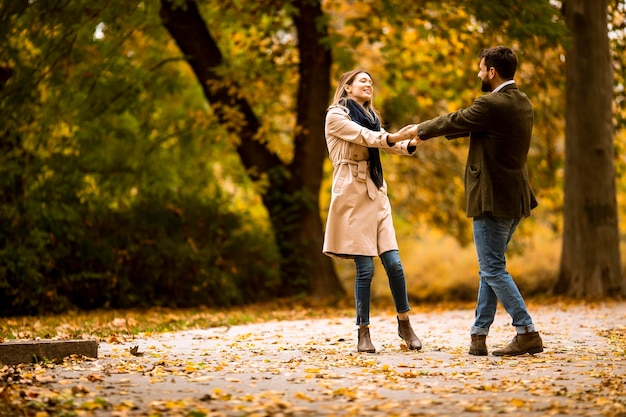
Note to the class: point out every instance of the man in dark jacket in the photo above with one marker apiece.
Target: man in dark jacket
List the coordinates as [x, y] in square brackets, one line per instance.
[498, 193]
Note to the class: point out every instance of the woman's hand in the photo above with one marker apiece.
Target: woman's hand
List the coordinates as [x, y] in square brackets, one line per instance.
[406, 133]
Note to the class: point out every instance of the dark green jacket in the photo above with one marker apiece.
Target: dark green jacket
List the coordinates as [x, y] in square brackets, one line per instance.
[500, 129]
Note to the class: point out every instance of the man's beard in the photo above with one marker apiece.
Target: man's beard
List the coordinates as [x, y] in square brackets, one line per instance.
[486, 87]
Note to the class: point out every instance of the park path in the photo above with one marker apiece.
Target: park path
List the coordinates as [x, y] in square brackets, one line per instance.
[311, 368]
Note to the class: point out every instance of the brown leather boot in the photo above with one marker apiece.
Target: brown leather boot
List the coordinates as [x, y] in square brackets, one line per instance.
[478, 346]
[365, 343]
[405, 331]
[522, 343]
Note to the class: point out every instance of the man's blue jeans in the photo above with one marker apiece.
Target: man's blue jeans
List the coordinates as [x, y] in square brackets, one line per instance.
[491, 237]
[363, 282]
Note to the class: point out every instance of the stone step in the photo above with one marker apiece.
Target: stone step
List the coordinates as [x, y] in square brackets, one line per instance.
[16, 352]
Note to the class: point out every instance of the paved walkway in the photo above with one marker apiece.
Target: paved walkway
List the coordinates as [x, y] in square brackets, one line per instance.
[311, 368]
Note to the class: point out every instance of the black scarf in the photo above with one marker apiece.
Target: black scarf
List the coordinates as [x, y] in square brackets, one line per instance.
[360, 116]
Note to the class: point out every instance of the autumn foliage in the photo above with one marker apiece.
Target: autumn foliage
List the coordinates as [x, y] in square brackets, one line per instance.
[121, 184]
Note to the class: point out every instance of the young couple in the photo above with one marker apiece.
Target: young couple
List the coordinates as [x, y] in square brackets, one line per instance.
[498, 195]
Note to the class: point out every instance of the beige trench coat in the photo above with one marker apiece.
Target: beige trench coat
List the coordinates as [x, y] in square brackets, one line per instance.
[359, 217]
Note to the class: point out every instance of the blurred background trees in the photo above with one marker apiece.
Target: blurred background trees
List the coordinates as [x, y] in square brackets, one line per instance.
[172, 153]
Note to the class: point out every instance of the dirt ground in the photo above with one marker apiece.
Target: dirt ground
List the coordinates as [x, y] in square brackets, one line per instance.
[311, 368]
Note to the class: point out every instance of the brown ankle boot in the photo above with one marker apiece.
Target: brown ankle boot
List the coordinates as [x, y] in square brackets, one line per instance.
[405, 331]
[365, 343]
[522, 343]
[478, 346]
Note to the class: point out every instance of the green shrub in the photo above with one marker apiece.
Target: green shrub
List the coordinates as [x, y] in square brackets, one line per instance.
[176, 253]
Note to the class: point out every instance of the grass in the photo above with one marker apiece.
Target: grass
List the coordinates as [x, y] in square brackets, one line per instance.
[107, 323]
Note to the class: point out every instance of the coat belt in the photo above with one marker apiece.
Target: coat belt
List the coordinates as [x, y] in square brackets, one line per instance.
[361, 174]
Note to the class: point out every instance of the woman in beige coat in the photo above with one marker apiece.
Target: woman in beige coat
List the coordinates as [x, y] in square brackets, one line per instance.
[359, 224]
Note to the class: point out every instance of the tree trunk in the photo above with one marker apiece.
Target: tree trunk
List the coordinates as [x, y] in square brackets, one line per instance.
[292, 198]
[310, 146]
[590, 260]
[12, 169]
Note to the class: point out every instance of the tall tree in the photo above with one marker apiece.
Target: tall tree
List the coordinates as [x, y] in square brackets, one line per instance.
[292, 194]
[590, 260]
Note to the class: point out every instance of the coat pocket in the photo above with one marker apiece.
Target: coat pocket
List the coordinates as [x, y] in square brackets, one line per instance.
[472, 184]
[473, 170]
[338, 185]
[343, 176]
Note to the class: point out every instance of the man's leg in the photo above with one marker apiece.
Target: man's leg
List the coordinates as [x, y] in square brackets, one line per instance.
[492, 235]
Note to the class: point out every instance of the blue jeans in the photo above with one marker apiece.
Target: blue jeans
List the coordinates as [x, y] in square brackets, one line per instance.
[362, 284]
[491, 237]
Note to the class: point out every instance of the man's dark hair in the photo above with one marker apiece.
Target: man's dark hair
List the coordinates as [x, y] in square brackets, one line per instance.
[502, 58]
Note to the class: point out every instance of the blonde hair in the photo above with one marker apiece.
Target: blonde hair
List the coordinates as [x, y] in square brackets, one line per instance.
[341, 94]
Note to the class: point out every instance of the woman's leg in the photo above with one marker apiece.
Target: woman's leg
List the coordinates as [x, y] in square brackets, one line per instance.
[362, 285]
[397, 282]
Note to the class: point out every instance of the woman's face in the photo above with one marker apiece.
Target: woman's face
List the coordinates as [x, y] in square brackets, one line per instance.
[361, 89]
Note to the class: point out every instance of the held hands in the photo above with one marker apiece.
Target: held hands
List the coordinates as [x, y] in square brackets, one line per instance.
[406, 133]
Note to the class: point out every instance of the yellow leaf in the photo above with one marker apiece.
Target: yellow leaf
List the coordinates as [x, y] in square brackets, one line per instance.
[302, 396]
[125, 405]
[603, 401]
[517, 403]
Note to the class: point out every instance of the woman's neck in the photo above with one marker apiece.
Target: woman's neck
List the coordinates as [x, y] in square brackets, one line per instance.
[356, 100]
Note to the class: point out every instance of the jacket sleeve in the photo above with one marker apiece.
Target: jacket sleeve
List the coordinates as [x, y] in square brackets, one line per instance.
[340, 126]
[457, 124]
[401, 148]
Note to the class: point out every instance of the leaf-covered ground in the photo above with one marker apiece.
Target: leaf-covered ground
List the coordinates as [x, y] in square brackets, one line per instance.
[310, 367]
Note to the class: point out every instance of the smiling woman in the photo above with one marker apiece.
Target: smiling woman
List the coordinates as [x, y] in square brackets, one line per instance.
[362, 89]
[359, 224]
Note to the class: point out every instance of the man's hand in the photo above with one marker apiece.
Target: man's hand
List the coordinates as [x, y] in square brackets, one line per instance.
[415, 142]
